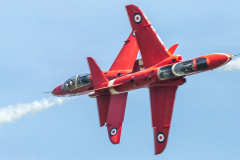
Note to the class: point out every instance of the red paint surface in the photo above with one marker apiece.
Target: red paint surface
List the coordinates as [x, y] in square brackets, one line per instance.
[112, 94]
[115, 115]
[152, 51]
[127, 56]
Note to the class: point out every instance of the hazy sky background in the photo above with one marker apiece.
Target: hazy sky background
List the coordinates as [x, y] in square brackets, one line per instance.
[43, 43]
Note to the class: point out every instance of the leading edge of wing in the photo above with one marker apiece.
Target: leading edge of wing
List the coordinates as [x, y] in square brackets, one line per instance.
[127, 56]
[150, 44]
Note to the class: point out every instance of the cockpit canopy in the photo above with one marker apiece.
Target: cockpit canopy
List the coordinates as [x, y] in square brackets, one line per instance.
[76, 82]
[183, 68]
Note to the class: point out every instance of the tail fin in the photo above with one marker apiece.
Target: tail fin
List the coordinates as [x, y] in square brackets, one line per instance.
[97, 75]
[127, 55]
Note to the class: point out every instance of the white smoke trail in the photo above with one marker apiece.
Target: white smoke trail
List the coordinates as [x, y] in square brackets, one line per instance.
[233, 65]
[9, 113]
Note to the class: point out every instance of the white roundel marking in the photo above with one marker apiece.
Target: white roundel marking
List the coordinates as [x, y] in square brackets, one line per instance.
[160, 137]
[137, 18]
[113, 132]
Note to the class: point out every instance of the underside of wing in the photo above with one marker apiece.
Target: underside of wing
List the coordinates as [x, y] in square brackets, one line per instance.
[127, 55]
[151, 46]
[162, 102]
[115, 116]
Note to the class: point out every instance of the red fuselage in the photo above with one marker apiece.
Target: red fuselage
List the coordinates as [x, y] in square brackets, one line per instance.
[169, 72]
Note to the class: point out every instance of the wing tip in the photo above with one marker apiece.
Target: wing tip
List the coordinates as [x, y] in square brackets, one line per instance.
[114, 140]
[115, 134]
[160, 139]
[159, 152]
[131, 5]
[132, 8]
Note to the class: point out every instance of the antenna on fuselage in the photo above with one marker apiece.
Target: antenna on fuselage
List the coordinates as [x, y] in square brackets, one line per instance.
[47, 92]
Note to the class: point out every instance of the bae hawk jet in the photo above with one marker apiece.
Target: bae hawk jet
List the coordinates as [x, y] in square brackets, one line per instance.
[159, 70]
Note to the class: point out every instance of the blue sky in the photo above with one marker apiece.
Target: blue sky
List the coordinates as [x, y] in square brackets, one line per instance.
[43, 43]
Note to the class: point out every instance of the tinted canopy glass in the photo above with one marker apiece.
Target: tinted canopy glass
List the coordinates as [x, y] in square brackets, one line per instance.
[184, 68]
[165, 72]
[76, 82]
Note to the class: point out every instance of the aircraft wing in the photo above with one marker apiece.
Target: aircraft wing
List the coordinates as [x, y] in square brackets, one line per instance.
[151, 46]
[115, 116]
[103, 104]
[162, 101]
[127, 56]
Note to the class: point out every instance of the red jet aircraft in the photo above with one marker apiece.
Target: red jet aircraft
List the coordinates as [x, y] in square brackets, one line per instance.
[159, 70]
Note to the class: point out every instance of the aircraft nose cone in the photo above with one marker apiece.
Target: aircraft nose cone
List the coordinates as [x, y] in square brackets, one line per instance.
[57, 91]
[219, 59]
